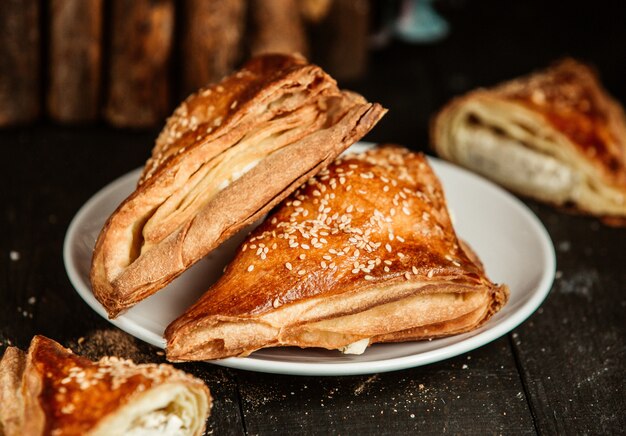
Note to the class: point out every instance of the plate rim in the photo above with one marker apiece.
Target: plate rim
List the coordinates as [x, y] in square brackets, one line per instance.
[473, 341]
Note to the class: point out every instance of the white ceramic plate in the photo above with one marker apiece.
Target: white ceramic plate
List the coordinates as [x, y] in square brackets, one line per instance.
[512, 243]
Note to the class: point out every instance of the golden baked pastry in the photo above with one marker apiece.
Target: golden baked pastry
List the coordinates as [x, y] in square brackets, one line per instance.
[555, 135]
[52, 391]
[364, 252]
[224, 159]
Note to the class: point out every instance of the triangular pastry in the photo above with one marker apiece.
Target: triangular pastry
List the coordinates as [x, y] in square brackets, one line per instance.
[364, 252]
[555, 135]
[52, 391]
[224, 159]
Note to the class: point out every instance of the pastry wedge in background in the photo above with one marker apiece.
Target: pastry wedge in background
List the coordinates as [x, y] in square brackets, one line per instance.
[224, 159]
[555, 135]
[364, 252]
[50, 390]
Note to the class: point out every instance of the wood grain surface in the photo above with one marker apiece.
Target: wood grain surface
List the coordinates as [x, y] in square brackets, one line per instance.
[212, 41]
[20, 60]
[141, 38]
[75, 60]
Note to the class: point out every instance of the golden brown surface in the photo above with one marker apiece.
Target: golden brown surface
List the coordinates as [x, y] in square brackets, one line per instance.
[555, 135]
[71, 395]
[370, 232]
[571, 97]
[224, 159]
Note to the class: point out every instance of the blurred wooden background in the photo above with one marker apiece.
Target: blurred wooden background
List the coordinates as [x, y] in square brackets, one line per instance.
[129, 62]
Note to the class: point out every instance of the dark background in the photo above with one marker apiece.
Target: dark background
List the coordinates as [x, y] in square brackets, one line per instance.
[561, 372]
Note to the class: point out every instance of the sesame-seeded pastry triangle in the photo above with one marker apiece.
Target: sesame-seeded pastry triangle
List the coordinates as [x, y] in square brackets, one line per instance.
[555, 135]
[364, 252]
[224, 159]
[51, 391]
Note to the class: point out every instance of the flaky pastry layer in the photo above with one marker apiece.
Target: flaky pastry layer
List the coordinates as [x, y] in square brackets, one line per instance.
[364, 251]
[228, 154]
[555, 135]
[50, 390]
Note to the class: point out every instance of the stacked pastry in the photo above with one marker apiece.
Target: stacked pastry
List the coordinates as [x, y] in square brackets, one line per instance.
[52, 391]
[229, 154]
[362, 252]
[555, 135]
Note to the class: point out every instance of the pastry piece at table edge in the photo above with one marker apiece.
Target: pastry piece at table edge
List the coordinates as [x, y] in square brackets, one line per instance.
[50, 390]
[364, 252]
[228, 154]
[555, 135]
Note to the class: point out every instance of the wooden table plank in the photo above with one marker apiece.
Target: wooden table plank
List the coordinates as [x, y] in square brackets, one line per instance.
[476, 393]
[572, 351]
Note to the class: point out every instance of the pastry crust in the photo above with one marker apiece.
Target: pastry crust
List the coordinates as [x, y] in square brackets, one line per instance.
[365, 251]
[224, 159]
[555, 135]
[53, 391]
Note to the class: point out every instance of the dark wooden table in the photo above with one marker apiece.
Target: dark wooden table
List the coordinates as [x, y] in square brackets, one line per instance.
[562, 371]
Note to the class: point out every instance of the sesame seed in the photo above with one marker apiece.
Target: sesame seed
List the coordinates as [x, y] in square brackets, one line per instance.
[301, 272]
[388, 262]
[430, 273]
[400, 238]
[386, 269]
[288, 266]
[407, 275]
[367, 277]
[414, 269]
[302, 256]
[388, 247]
[323, 264]
[250, 268]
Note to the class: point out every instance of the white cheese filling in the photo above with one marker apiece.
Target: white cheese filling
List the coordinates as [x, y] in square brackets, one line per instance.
[511, 164]
[158, 423]
[357, 347]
